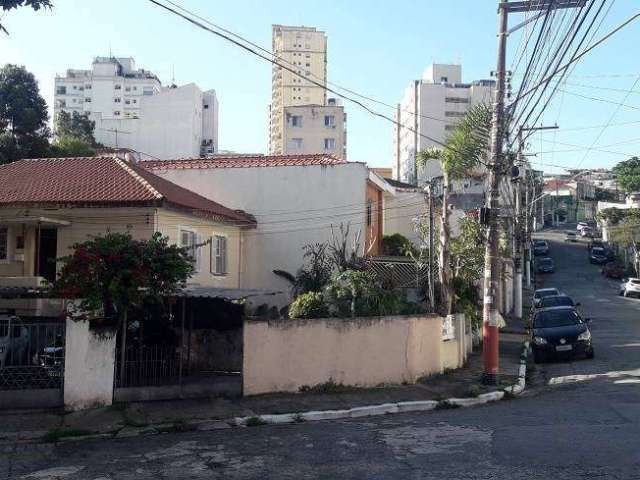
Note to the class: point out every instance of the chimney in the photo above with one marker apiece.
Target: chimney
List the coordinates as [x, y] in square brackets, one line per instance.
[130, 157]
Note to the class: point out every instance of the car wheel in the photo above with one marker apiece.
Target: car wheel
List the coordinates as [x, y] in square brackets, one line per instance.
[591, 354]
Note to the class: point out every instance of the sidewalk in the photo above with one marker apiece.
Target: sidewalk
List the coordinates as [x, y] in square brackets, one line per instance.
[176, 415]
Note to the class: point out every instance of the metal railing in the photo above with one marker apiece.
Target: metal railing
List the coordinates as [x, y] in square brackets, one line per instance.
[31, 354]
[148, 366]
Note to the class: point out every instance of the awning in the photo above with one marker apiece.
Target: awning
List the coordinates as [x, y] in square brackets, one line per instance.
[43, 221]
[225, 293]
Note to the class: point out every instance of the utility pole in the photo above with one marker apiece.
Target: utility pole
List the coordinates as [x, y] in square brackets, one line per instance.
[490, 333]
[429, 191]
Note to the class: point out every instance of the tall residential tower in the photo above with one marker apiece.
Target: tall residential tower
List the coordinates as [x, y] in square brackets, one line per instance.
[302, 119]
[431, 107]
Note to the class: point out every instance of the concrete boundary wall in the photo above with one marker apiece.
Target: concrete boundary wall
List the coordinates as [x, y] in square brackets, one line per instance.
[89, 366]
[284, 355]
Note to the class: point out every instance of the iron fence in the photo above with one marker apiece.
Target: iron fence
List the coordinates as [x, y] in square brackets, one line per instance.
[31, 354]
[148, 366]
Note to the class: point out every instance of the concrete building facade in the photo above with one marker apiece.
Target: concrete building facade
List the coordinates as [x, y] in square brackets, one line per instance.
[429, 110]
[133, 110]
[295, 99]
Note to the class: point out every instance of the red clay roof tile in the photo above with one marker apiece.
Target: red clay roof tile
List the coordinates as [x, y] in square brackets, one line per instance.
[99, 180]
[243, 161]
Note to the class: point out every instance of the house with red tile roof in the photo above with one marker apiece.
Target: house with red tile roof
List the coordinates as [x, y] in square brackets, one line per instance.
[296, 199]
[47, 205]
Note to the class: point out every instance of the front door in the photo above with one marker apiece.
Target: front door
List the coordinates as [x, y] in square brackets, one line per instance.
[46, 253]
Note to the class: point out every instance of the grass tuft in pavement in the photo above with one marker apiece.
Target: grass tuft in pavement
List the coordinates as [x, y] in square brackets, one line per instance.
[56, 434]
[255, 422]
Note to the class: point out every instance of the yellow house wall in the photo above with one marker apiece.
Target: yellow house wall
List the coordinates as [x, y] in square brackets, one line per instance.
[141, 223]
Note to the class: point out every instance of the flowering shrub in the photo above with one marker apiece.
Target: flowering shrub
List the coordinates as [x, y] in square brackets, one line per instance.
[113, 272]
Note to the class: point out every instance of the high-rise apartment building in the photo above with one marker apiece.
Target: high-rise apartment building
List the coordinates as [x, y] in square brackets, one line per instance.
[302, 119]
[430, 109]
[133, 110]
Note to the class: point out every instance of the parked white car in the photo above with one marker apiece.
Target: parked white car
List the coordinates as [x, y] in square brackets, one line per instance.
[543, 292]
[630, 286]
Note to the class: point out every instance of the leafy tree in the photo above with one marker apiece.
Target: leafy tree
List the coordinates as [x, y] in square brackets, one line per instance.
[467, 251]
[465, 148]
[71, 147]
[627, 235]
[11, 4]
[628, 174]
[77, 126]
[23, 115]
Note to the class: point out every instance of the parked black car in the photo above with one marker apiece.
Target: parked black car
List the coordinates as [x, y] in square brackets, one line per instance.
[561, 300]
[540, 247]
[598, 256]
[546, 265]
[560, 331]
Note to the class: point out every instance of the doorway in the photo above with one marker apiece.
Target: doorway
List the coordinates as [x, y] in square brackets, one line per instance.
[46, 253]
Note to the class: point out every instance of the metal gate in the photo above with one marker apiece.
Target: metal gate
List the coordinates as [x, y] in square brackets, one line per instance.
[31, 358]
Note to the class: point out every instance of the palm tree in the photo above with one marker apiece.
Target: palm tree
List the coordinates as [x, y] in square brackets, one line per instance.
[463, 152]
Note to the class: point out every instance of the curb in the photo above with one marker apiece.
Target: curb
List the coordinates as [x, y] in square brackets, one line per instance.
[315, 415]
[519, 386]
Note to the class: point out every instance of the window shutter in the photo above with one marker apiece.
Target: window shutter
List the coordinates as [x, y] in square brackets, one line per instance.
[223, 254]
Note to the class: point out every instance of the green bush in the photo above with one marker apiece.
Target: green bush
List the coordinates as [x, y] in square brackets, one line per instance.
[309, 305]
[396, 245]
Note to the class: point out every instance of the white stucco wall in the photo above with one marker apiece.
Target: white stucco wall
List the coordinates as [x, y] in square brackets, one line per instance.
[88, 367]
[294, 206]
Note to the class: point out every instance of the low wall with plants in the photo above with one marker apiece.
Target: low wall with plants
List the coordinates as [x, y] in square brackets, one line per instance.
[290, 355]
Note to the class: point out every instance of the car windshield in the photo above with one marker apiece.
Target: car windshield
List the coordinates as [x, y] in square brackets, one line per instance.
[546, 293]
[540, 243]
[597, 251]
[635, 282]
[557, 301]
[557, 318]
[546, 261]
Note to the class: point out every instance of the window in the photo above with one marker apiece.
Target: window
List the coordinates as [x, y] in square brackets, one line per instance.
[117, 100]
[117, 87]
[87, 100]
[454, 114]
[456, 100]
[75, 87]
[135, 88]
[135, 101]
[369, 213]
[127, 89]
[61, 91]
[448, 128]
[87, 87]
[329, 143]
[206, 106]
[4, 243]
[219, 255]
[189, 240]
[296, 143]
[296, 120]
[147, 90]
[307, 64]
[444, 79]
[116, 113]
[127, 102]
[329, 121]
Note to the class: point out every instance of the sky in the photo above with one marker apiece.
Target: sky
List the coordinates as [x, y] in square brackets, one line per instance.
[375, 47]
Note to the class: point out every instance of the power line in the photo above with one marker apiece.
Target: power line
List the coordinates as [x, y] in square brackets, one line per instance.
[582, 54]
[295, 72]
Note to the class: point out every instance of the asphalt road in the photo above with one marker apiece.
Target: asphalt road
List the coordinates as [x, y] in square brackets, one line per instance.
[580, 419]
